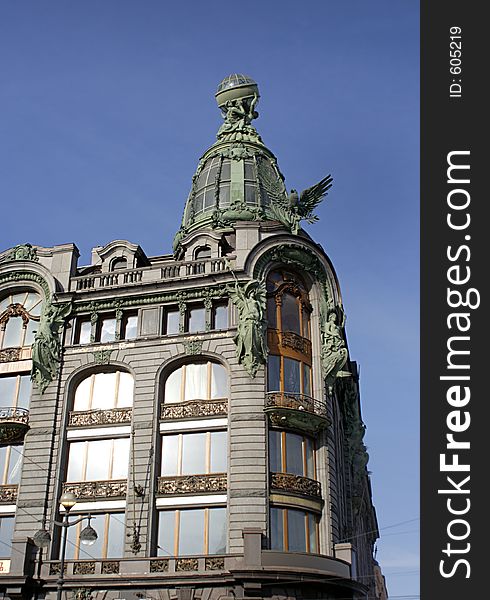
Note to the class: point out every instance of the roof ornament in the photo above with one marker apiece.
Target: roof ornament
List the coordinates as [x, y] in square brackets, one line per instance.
[237, 97]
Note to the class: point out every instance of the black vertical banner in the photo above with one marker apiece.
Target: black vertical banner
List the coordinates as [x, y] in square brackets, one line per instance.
[455, 248]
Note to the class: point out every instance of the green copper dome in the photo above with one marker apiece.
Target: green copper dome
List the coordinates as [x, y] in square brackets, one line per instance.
[237, 175]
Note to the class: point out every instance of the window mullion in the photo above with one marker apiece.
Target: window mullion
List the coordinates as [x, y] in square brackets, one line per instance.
[285, 529]
[177, 533]
[116, 389]
[106, 535]
[206, 530]
[91, 391]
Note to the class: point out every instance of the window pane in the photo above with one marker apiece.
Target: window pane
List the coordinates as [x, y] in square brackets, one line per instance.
[296, 531]
[75, 461]
[217, 531]
[166, 533]
[290, 313]
[310, 461]
[197, 319]
[219, 381]
[291, 376]
[3, 457]
[108, 330]
[193, 453]
[221, 317]
[82, 395]
[6, 533]
[33, 304]
[173, 320]
[294, 454]
[191, 538]
[32, 327]
[219, 452]
[15, 464]
[13, 333]
[170, 449]
[104, 393]
[98, 460]
[85, 331]
[7, 391]
[273, 373]
[312, 521]
[196, 382]
[271, 313]
[306, 321]
[120, 459]
[24, 391]
[306, 380]
[275, 460]
[277, 529]
[71, 541]
[115, 539]
[130, 328]
[126, 388]
[173, 387]
[96, 549]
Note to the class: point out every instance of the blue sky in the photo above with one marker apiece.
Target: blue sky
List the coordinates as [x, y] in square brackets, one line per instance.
[107, 106]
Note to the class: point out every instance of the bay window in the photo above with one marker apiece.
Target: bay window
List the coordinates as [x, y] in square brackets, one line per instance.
[293, 530]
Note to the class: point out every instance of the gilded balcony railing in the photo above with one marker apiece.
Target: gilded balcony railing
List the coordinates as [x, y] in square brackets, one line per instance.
[14, 423]
[297, 411]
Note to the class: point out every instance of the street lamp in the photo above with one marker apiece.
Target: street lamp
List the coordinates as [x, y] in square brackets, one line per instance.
[88, 535]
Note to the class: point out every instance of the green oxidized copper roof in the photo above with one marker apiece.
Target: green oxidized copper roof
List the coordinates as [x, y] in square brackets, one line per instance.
[237, 178]
[228, 185]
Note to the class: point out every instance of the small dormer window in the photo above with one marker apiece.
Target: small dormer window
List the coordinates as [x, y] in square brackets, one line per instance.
[202, 252]
[119, 263]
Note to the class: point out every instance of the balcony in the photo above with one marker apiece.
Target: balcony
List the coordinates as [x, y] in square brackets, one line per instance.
[194, 409]
[214, 483]
[14, 424]
[296, 411]
[167, 271]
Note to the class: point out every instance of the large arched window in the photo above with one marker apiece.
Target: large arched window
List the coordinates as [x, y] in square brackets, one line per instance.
[196, 381]
[19, 318]
[288, 334]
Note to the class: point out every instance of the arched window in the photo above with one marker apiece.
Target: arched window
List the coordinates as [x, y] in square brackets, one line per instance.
[288, 334]
[196, 381]
[202, 252]
[119, 263]
[20, 313]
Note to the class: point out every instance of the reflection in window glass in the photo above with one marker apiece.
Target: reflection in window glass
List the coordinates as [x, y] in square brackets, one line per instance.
[290, 314]
[191, 538]
[6, 534]
[13, 335]
[172, 321]
[10, 464]
[217, 531]
[218, 459]
[110, 538]
[274, 373]
[291, 453]
[15, 391]
[312, 532]
[170, 455]
[166, 533]
[220, 317]
[294, 454]
[219, 381]
[187, 453]
[130, 327]
[293, 530]
[18, 331]
[107, 330]
[85, 331]
[277, 529]
[98, 460]
[275, 454]
[196, 320]
[103, 391]
[291, 376]
[296, 531]
[271, 313]
[194, 453]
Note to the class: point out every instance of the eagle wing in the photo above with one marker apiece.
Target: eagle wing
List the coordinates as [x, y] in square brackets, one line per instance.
[312, 196]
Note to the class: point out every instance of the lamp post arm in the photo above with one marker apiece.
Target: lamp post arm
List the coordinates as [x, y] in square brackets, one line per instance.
[69, 524]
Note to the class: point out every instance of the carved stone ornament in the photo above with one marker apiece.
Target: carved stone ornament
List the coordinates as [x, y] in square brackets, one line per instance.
[214, 563]
[334, 352]
[295, 484]
[193, 484]
[289, 339]
[102, 357]
[250, 300]
[90, 418]
[46, 349]
[23, 252]
[186, 564]
[82, 594]
[194, 409]
[84, 567]
[159, 566]
[91, 490]
[8, 494]
[238, 114]
[10, 354]
[55, 568]
[110, 567]
[193, 347]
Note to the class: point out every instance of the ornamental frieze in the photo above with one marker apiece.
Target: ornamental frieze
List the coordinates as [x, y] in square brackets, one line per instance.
[8, 494]
[10, 354]
[110, 567]
[192, 484]
[194, 409]
[159, 566]
[91, 490]
[296, 484]
[214, 563]
[84, 568]
[186, 564]
[289, 339]
[89, 418]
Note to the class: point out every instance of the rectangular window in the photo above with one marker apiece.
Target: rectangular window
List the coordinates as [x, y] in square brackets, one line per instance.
[110, 538]
[10, 464]
[194, 453]
[172, 321]
[98, 460]
[106, 330]
[291, 453]
[15, 391]
[129, 327]
[293, 530]
[104, 391]
[274, 373]
[6, 534]
[198, 531]
[83, 329]
[196, 319]
[220, 316]
[292, 376]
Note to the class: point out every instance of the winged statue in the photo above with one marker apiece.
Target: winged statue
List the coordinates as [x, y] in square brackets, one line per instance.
[292, 208]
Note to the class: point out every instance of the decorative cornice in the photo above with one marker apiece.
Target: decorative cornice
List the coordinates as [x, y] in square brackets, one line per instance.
[194, 409]
[91, 490]
[89, 418]
[193, 484]
[16, 276]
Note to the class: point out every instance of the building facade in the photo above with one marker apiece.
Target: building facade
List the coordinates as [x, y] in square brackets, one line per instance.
[202, 405]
